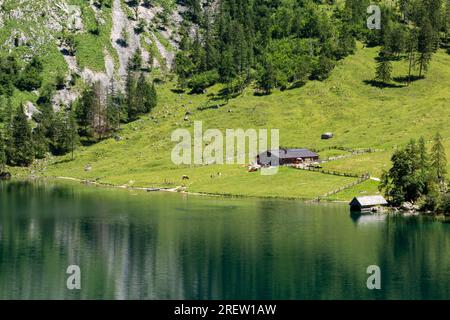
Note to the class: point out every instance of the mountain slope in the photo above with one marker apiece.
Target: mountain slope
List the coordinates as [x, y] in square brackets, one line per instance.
[31, 28]
[361, 116]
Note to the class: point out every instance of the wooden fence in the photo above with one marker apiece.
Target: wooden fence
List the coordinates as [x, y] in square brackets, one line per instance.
[336, 173]
[354, 183]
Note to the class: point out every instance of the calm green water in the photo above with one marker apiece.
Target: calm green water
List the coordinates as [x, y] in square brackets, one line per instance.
[132, 245]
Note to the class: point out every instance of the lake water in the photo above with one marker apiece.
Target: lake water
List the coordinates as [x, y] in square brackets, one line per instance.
[136, 245]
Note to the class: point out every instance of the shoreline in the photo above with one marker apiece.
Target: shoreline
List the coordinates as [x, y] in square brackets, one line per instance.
[387, 210]
[178, 189]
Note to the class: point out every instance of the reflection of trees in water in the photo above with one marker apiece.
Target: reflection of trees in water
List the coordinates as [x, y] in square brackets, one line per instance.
[415, 258]
[174, 247]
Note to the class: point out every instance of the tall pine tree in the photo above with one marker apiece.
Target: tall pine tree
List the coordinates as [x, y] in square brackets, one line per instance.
[439, 159]
[21, 138]
[425, 47]
[2, 153]
[384, 68]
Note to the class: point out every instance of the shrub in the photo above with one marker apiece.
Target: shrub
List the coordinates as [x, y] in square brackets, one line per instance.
[140, 26]
[201, 81]
[429, 202]
[445, 204]
[322, 69]
[60, 81]
[30, 78]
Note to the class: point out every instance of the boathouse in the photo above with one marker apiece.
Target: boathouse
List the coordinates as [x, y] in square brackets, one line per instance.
[366, 203]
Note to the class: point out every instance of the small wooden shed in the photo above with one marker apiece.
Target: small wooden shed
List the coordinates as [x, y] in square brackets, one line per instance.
[327, 135]
[366, 203]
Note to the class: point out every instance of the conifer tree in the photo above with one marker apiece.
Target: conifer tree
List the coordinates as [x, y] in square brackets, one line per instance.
[210, 44]
[40, 142]
[99, 116]
[71, 132]
[113, 108]
[423, 157]
[267, 79]
[183, 68]
[447, 21]
[152, 97]
[130, 94]
[141, 92]
[150, 60]
[384, 68]
[145, 95]
[135, 62]
[7, 135]
[411, 44]
[396, 40]
[22, 144]
[425, 46]
[439, 159]
[2, 153]
[30, 78]
[83, 111]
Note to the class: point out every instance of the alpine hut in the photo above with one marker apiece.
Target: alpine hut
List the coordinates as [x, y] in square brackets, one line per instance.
[287, 156]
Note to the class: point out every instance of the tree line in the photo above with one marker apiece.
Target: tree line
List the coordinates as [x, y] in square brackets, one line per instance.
[414, 33]
[275, 44]
[12, 75]
[282, 44]
[95, 115]
[100, 114]
[418, 176]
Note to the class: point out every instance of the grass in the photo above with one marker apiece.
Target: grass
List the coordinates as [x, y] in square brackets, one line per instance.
[373, 163]
[360, 116]
[325, 154]
[90, 50]
[151, 48]
[163, 41]
[368, 187]
[91, 47]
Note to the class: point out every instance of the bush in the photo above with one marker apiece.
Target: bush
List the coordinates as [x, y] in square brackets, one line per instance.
[140, 26]
[322, 69]
[30, 78]
[429, 202]
[45, 95]
[60, 81]
[445, 204]
[199, 82]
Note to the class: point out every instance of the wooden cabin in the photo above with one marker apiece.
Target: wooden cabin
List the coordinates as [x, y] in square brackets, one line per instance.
[287, 156]
[367, 203]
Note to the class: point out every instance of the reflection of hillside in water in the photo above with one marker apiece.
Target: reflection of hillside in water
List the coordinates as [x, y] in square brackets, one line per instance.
[163, 246]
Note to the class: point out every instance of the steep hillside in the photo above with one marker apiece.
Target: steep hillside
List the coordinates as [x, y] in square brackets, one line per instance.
[36, 28]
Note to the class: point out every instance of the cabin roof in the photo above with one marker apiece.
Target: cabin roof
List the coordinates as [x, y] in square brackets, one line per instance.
[294, 153]
[366, 201]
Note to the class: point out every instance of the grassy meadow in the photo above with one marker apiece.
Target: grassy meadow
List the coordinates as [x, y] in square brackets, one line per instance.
[360, 116]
